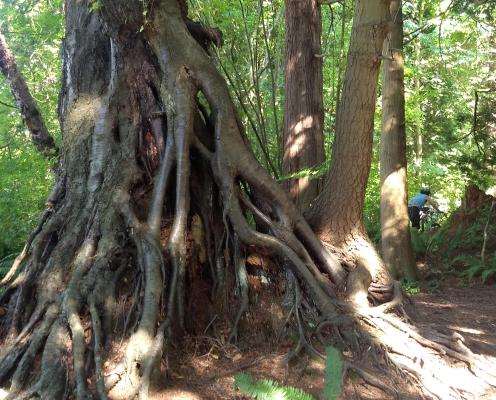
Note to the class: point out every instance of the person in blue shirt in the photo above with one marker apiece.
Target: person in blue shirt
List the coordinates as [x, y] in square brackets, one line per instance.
[415, 205]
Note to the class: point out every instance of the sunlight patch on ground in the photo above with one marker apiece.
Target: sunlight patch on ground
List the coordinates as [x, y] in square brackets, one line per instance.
[437, 375]
[466, 330]
[3, 394]
[177, 395]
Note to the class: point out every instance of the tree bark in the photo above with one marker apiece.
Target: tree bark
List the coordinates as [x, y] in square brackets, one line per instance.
[29, 111]
[337, 214]
[395, 233]
[303, 140]
[130, 119]
[342, 60]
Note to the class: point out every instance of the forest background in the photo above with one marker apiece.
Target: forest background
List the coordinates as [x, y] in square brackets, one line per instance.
[450, 80]
[450, 51]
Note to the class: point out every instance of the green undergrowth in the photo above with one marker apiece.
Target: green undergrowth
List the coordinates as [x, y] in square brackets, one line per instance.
[411, 287]
[457, 245]
[268, 389]
[472, 267]
[6, 263]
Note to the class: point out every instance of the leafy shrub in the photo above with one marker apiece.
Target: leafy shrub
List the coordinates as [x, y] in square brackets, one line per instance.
[489, 271]
[473, 267]
[34, 34]
[411, 287]
[461, 249]
[419, 242]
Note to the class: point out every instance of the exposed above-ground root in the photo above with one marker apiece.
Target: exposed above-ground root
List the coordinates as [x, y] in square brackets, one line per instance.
[443, 367]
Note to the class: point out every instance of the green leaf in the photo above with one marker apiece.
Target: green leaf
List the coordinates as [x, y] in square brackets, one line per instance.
[267, 389]
[333, 374]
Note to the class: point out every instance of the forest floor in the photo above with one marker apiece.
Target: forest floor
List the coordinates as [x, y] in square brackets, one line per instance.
[205, 368]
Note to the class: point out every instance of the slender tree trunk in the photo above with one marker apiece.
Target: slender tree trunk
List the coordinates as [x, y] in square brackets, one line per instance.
[303, 139]
[395, 233]
[337, 214]
[344, 14]
[29, 111]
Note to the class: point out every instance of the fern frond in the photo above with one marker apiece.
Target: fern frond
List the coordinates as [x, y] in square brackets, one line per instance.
[267, 389]
[486, 274]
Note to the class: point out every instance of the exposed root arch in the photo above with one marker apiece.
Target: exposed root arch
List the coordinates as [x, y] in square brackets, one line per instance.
[230, 161]
[231, 157]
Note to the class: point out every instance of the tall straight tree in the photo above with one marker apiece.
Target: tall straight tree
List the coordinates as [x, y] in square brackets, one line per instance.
[303, 140]
[337, 213]
[395, 234]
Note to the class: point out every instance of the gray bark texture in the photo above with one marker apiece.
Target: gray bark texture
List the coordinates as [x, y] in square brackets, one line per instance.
[337, 213]
[140, 155]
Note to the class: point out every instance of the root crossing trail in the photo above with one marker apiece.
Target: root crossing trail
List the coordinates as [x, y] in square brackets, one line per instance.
[469, 311]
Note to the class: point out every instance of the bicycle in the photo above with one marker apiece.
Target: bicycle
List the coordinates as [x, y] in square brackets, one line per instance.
[429, 218]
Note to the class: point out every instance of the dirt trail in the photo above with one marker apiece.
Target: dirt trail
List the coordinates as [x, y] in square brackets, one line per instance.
[470, 311]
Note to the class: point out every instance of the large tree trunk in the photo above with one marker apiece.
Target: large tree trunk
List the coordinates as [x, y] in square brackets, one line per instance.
[100, 295]
[25, 102]
[337, 214]
[303, 140]
[395, 233]
[130, 119]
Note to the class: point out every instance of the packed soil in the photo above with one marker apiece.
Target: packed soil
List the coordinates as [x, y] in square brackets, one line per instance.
[204, 367]
[470, 311]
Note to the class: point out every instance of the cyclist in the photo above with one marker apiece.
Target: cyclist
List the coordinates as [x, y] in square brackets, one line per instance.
[416, 203]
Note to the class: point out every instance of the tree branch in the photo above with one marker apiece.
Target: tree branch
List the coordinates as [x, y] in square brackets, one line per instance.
[25, 103]
[7, 105]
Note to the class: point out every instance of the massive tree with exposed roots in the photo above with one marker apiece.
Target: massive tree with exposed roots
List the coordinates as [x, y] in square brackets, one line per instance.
[152, 148]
